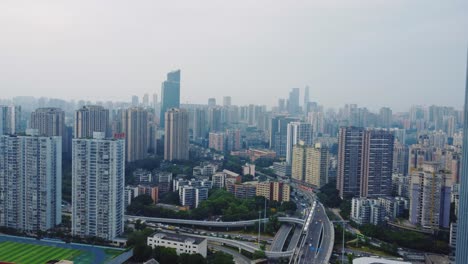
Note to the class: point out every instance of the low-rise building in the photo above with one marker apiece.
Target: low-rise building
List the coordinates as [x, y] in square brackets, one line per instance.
[248, 169]
[282, 169]
[181, 243]
[242, 191]
[218, 180]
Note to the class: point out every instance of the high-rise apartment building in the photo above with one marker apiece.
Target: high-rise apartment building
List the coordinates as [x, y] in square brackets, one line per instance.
[385, 115]
[170, 94]
[349, 171]
[30, 182]
[233, 140]
[377, 163]
[135, 127]
[199, 124]
[227, 101]
[217, 141]
[211, 102]
[400, 158]
[89, 119]
[365, 162]
[50, 122]
[176, 140]
[310, 164]
[297, 132]
[462, 225]
[98, 175]
[430, 197]
[10, 118]
[214, 119]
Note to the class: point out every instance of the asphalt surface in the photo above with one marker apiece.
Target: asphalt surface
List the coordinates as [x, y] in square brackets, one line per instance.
[238, 258]
[319, 240]
[280, 237]
[295, 238]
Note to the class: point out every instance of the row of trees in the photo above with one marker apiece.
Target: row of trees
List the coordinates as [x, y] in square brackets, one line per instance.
[219, 203]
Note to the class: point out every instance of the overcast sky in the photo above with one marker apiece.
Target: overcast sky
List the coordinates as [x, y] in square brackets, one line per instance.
[374, 53]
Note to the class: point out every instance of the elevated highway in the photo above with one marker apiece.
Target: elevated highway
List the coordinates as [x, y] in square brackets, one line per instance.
[212, 223]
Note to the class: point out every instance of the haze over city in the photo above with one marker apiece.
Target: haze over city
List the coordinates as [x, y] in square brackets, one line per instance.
[234, 132]
[373, 53]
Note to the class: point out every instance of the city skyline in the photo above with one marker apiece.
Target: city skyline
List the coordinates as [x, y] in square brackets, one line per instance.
[358, 49]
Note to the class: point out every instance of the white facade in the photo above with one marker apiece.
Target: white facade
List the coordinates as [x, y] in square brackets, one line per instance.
[30, 182]
[181, 243]
[192, 196]
[218, 180]
[98, 174]
[296, 132]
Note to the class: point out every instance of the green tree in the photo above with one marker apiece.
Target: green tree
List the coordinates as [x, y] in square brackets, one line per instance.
[165, 255]
[220, 258]
[185, 258]
[259, 254]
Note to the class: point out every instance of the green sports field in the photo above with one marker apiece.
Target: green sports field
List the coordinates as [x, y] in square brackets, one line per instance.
[31, 254]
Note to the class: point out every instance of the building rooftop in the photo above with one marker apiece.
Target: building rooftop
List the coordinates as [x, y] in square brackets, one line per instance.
[179, 238]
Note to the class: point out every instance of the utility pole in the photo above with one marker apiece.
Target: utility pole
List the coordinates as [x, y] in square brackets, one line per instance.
[343, 222]
[264, 224]
[259, 221]
[342, 248]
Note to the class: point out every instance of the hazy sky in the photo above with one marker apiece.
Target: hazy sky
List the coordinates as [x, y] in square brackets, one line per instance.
[375, 53]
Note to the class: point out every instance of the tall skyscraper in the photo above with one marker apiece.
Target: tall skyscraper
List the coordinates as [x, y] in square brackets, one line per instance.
[462, 225]
[296, 132]
[199, 124]
[135, 127]
[30, 181]
[98, 175]
[89, 119]
[377, 163]
[170, 94]
[349, 173]
[10, 118]
[176, 140]
[227, 101]
[278, 134]
[214, 119]
[293, 102]
[306, 97]
[400, 158]
[365, 162]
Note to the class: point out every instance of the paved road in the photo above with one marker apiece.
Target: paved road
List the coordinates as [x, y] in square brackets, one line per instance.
[295, 238]
[320, 239]
[212, 223]
[280, 237]
[238, 258]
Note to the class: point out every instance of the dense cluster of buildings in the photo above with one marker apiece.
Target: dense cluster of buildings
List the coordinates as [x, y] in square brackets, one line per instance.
[390, 165]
